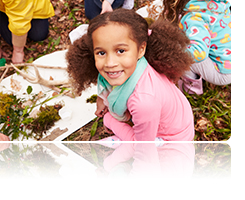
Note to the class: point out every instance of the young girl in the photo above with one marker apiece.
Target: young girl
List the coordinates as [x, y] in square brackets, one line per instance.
[208, 26]
[114, 54]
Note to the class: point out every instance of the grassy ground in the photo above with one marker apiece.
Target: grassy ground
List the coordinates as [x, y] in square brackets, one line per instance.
[212, 113]
[212, 110]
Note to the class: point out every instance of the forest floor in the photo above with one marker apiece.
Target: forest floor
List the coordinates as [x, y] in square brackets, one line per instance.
[212, 110]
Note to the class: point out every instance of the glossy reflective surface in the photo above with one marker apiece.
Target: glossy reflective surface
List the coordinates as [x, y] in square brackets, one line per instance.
[95, 160]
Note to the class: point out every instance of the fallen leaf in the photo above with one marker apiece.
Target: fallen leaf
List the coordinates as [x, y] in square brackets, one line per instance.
[15, 85]
[40, 95]
[27, 103]
[62, 19]
[201, 124]
[54, 94]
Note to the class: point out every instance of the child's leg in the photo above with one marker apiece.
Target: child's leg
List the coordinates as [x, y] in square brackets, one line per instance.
[117, 4]
[38, 32]
[191, 82]
[207, 71]
[4, 30]
[39, 29]
[191, 85]
[92, 8]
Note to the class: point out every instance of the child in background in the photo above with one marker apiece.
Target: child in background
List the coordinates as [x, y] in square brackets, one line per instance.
[21, 19]
[208, 26]
[114, 54]
[96, 7]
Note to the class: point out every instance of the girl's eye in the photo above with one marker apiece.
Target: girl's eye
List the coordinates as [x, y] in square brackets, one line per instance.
[101, 53]
[121, 51]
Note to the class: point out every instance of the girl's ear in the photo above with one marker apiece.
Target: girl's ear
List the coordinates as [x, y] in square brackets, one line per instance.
[142, 50]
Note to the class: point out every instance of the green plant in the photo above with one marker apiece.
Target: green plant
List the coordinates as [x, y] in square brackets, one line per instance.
[44, 121]
[11, 115]
[52, 44]
[95, 125]
[212, 112]
[92, 99]
[15, 119]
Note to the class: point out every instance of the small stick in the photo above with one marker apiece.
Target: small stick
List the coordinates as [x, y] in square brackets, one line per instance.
[31, 64]
[59, 90]
[4, 73]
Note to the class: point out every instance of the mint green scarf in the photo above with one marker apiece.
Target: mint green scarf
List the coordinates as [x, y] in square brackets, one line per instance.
[118, 97]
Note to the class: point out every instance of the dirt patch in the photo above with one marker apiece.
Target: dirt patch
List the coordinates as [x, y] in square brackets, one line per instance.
[84, 133]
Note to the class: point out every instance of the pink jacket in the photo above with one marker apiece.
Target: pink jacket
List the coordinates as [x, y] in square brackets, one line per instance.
[158, 109]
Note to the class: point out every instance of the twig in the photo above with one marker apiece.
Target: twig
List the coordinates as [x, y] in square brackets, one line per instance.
[32, 65]
[39, 79]
[4, 73]
[59, 90]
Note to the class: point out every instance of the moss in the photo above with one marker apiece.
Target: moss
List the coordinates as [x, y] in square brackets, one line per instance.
[92, 99]
[5, 103]
[45, 120]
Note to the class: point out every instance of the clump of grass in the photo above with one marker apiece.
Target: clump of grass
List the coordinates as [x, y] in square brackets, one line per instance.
[212, 112]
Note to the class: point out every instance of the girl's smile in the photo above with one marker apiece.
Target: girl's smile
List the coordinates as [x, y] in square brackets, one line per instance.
[114, 74]
[115, 53]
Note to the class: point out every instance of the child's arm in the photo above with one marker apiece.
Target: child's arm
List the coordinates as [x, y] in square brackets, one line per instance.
[198, 32]
[101, 108]
[106, 6]
[145, 111]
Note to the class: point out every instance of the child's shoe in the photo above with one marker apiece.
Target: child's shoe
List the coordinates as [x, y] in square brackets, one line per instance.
[191, 86]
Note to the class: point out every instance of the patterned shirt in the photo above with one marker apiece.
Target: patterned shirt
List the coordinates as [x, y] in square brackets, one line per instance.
[208, 26]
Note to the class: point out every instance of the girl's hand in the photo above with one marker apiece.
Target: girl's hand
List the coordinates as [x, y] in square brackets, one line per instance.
[4, 137]
[2, 144]
[106, 7]
[101, 108]
[18, 55]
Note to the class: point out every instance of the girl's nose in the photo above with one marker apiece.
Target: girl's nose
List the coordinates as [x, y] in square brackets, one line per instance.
[111, 61]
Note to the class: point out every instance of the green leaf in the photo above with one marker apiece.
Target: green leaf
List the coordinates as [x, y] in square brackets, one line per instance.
[27, 121]
[70, 15]
[56, 42]
[31, 49]
[94, 155]
[29, 89]
[75, 10]
[25, 110]
[94, 128]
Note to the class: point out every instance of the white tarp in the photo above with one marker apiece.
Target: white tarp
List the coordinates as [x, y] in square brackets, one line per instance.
[78, 110]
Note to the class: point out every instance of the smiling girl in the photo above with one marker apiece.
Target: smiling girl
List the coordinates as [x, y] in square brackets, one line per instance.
[135, 69]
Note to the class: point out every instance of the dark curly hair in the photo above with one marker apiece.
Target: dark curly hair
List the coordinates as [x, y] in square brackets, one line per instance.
[173, 9]
[166, 47]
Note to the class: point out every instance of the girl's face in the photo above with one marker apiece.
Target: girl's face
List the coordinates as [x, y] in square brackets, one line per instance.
[115, 53]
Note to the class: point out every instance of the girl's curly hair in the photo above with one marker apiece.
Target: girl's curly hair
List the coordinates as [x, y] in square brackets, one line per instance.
[173, 9]
[167, 50]
[166, 47]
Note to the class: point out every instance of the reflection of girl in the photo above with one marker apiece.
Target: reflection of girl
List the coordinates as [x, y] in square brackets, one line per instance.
[148, 159]
[208, 25]
[112, 52]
